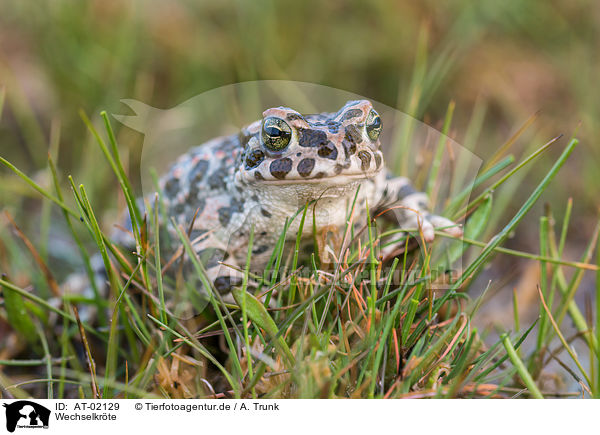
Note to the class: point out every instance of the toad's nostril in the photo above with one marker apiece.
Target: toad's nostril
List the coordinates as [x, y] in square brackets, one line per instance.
[365, 160]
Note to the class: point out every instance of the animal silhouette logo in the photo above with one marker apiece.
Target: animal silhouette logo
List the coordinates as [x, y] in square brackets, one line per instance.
[26, 414]
[170, 133]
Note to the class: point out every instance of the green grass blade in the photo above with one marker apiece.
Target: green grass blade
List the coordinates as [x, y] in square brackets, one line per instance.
[2, 99]
[597, 353]
[117, 171]
[544, 282]
[157, 263]
[439, 153]
[293, 283]
[473, 228]
[523, 373]
[39, 189]
[562, 338]
[503, 234]
[48, 358]
[259, 315]
[508, 175]
[17, 313]
[122, 176]
[469, 189]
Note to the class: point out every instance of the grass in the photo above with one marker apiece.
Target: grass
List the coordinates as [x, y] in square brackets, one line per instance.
[367, 328]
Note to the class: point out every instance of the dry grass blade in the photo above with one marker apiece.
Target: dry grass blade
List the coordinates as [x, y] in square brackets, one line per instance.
[510, 142]
[562, 339]
[465, 322]
[52, 284]
[88, 354]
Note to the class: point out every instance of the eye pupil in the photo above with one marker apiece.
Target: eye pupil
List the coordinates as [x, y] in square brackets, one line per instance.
[276, 134]
[373, 125]
[272, 131]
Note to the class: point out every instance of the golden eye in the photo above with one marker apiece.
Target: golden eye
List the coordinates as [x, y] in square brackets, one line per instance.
[276, 133]
[373, 125]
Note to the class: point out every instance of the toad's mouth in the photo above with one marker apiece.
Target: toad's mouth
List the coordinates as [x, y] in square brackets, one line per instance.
[319, 178]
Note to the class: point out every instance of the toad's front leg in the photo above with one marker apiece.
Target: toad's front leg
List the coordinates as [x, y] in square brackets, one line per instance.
[220, 267]
[412, 209]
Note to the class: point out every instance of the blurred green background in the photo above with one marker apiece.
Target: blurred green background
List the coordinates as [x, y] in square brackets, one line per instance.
[500, 62]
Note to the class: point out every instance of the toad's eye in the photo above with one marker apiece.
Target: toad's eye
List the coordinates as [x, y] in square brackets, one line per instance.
[373, 125]
[276, 133]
